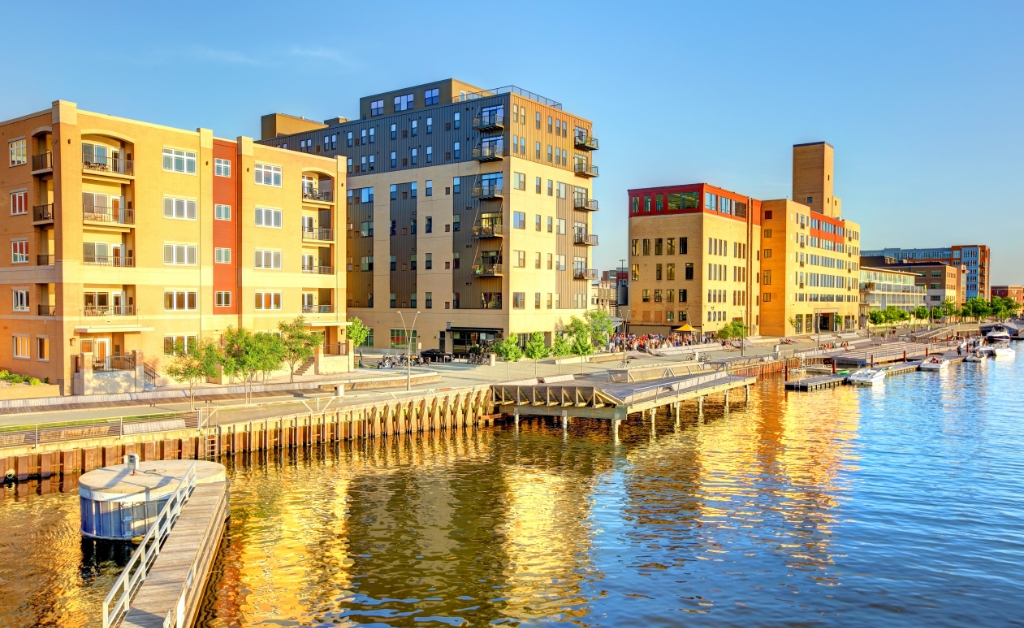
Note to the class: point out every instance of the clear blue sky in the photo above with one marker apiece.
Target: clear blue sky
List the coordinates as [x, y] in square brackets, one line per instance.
[922, 100]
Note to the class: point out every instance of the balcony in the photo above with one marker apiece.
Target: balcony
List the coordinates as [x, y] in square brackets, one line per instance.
[487, 270]
[489, 121]
[44, 260]
[488, 192]
[318, 235]
[120, 310]
[109, 165]
[115, 261]
[584, 239]
[326, 308]
[583, 141]
[584, 273]
[42, 163]
[489, 152]
[585, 170]
[316, 269]
[583, 203]
[114, 363]
[46, 310]
[489, 231]
[108, 215]
[42, 214]
[336, 349]
[317, 196]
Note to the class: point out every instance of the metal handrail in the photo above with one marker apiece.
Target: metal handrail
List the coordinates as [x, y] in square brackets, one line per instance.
[316, 269]
[42, 161]
[488, 191]
[119, 261]
[487, 269]
[324, 308]
[487, 231]
[582, 202]
[120, 215]
[109, 310]
[489, 120]
[313, 194]
[492, 150]
[585, 169]
[42, 212]
[138, 566]
[585, 238]
[586, 141]
[324, 235]
[116, 165]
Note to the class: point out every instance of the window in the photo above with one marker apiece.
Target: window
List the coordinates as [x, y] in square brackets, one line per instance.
[429, 300]
[179, 160]
[373, 134]
[179, 300]
[430, 125]
[430, 225]
[348, 138]
[412, 189]
[549, 153]
[647, 246]
[560, 226]
[549, 124]
[657, 272]
[536, 260]
[430, 154]
[362, 164]
[538, 119]
[185, 344]
[20, 300]
[430, 188]
[551, 258]
[559, 262]
[458, 123]
[268, 175]
[268, 300]
[268, 217]
[658, 246]
[519, 180]
[429, 261]
[222, 256]
[180, 254]
[520, 259]
[551, 187]
[21, 347]
[179, 208]
[519, 300]
[42, 348]
[670, 272]
[19, 152]
[457, 185]
[366, 263]
[405, 102]
[19, 203]
[398, 339]
[646, 298]
[268, 259]
[377, 108]
[222, 299]
[689, 272]
[415, 128]
[635, 272]
[519, 220]
[536, 151]
[222, 167]
[455, 262]
[366, 228]
[393, 300]
[538, 223]
[634, 247]
[222, 212]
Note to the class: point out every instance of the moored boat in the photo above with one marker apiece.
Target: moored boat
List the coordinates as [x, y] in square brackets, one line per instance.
[866, 377]
[935, 363]
[999, 333]
[1003, 351]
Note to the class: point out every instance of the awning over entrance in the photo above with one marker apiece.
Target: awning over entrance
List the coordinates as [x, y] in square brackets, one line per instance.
[106, 329]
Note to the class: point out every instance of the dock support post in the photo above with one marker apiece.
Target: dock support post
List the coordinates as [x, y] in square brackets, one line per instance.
[727, 402]
[516, 411]
[652, 412]
[675, 412]
[700, 406]
[746, 398]
[565, 421]
[615, 431]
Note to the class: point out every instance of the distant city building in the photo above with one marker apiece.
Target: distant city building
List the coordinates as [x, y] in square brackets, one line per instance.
[881, 288]
[976, 258]
[941, 281]
[1013, 292]
[604, 296]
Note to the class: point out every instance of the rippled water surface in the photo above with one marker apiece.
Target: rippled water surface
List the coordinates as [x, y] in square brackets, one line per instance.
[901, 505]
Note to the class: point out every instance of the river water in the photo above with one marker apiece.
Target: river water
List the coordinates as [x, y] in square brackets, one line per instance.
[901, 505]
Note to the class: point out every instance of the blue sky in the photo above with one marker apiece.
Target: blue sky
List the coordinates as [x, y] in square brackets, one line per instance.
[922, 100]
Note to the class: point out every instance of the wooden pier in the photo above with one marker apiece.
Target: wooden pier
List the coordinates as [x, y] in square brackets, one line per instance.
[822, 382]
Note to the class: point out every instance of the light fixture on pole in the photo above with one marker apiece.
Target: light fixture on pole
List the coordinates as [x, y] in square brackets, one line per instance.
[409, 331]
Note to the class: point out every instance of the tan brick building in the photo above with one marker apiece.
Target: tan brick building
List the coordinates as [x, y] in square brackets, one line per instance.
[471, 206]
[127, 237]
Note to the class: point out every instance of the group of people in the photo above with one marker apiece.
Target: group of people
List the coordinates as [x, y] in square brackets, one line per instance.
[646, 343]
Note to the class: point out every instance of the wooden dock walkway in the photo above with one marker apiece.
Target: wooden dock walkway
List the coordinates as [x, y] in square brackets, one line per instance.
[611, 400]
[822, 382]
[173, 589]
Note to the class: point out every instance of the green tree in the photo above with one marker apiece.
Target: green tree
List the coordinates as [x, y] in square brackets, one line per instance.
[579, 330]
[271, 353]
[920, 312]
[536, 350]
[357, 333]
[876, 317]
[949, 308]
[297, 343]
[977, 308]
[937, 312]
[194, 367]
[246, 355]
[561, 347]
[508, 350]
[600, 326]
[733, 329]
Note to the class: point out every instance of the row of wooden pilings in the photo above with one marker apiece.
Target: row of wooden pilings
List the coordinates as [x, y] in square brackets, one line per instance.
[440, 410]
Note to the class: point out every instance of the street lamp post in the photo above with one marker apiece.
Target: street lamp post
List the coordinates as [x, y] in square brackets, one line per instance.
[408, 346]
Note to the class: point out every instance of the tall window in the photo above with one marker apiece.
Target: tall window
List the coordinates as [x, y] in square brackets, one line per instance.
[222, 212]
[268, 175]
[405, 102]
[268, 300]
[268, 259]
[18, 152]
[179, 300]
[179, 161]
[223, 299]
[20, 300]
[377, 108]
[19, 203]
[21, 347]
[222, 255]
[222, 167]
[19, 251]
[430, 96]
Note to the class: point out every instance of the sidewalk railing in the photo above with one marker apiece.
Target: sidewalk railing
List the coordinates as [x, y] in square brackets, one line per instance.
[43, 434]
[116, 604]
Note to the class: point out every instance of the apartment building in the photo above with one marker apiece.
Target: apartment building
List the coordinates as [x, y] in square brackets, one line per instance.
[809, 252]
[976, 258]
[692, 259]
[881, 288]
[472, 207]
[128, 237]
[1013, 292]
[940, 281]
[604, 296]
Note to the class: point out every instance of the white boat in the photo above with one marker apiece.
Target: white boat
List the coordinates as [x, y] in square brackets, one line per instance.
[998, 333]
[1003, 351]
[974, 357]
[866, 377]
[935, 364]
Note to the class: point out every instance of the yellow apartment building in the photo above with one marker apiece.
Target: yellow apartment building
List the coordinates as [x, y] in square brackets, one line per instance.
[693, 259]
[127, 237]
[472, 207]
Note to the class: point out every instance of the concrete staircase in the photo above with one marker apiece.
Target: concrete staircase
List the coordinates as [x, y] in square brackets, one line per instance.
[305, 366]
